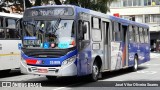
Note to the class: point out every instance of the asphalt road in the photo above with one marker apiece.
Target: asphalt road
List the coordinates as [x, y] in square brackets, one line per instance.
[149, 71]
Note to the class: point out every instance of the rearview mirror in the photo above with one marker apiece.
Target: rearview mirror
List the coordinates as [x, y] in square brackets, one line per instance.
[84, 29]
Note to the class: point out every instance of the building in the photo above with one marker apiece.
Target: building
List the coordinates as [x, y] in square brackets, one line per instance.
[143, 11]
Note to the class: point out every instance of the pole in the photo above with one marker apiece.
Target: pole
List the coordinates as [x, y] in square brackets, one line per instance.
[24, 4]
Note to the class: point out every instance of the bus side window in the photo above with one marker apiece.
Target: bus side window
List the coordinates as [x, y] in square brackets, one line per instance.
[1, 22]
[80, 32]
[131, 34]
[116, 33]
[136, 36]
[146, 35]
[86, 35]
[2, 31]
[11, 29]
[96, 29]
[143, 32]
[11, 23]
[141, 35]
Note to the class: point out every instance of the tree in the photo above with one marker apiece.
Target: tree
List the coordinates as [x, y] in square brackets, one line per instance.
[97, 5]
[16, 4]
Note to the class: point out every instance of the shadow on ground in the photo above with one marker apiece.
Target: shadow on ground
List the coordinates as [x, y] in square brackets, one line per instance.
[81, 81]
[7, 73]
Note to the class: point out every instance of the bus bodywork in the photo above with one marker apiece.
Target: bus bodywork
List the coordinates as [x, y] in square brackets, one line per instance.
[72, 41]
[10, 42]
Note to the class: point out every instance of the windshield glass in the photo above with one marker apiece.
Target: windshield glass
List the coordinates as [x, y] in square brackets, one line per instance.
[49, 34]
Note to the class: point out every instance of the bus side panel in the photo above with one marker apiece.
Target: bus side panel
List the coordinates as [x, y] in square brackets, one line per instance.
[147, 52]
[9, 54]
[144, 55]
[84, 57]
[132, 50]
[142, 50]
[118, 55]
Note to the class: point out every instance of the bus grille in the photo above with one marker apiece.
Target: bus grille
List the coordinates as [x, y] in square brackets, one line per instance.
[46, 53]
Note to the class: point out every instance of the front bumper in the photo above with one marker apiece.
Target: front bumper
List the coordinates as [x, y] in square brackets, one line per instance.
[67, 70]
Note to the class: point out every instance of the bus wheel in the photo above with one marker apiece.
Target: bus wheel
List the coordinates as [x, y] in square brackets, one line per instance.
[5, 71]
[135, 67]
[51, 77]
[95, 72]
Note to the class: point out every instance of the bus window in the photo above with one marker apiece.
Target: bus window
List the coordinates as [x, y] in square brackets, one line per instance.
[11, 23]
[86, 35]
[131, 34]
[1, 22]
[96, 23]
[116, 34]
[12, 33]
[96, 31]
[143, 32]
[141, 35]
[2, 32]
[96, 35]
[146, 35]
[136, 34]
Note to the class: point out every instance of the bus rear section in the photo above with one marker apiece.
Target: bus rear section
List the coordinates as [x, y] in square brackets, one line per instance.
[128, 44]
[10, 42]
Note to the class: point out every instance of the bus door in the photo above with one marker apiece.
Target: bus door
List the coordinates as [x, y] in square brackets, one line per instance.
[106, 36]
[125, 45]
[83, 47]
[116, 46]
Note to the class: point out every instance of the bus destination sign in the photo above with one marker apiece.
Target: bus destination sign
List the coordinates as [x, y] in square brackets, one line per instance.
[49, 12]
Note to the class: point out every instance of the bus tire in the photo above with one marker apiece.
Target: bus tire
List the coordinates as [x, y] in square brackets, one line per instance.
[6, 71]
[95, 72]
[51, 77]
[135, 67]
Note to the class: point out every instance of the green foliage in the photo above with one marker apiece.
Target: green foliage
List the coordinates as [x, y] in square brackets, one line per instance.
[97, 5]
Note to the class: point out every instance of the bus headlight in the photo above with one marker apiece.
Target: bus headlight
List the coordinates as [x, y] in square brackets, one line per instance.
[69, 60]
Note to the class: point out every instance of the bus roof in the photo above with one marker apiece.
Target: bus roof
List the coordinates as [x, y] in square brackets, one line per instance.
[112, 18]
[10, 15]
[51, 6]
[98, 14]
[127, 22]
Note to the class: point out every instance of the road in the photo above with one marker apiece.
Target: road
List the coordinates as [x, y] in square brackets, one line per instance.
[149, 71]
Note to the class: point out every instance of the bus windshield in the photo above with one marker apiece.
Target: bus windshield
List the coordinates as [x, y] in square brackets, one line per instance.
[49, 34]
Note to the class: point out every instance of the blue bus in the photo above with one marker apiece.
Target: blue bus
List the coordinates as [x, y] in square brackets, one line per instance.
[66, 40]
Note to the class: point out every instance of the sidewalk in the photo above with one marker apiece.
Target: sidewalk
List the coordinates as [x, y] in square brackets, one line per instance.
[154, 55]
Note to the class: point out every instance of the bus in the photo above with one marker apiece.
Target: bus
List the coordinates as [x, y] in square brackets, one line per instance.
[66, 40]
[9, 40]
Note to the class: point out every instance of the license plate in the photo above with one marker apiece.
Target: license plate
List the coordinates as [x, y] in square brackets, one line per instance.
[40, 70]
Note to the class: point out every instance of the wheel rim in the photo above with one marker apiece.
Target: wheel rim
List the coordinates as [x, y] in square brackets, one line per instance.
[135, 64]
[95, 70]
